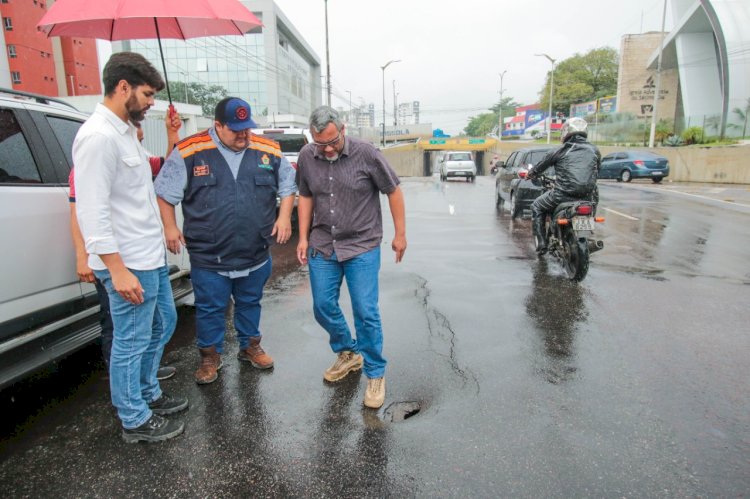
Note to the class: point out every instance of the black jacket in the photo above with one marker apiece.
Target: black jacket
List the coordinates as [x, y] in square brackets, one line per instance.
[576, 163]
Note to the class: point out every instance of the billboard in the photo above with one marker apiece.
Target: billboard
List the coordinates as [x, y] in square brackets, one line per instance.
[533, 117]
[608, 105]
[583, 109]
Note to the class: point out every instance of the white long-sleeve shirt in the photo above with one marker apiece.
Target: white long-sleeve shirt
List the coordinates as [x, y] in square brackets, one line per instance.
[115, 201]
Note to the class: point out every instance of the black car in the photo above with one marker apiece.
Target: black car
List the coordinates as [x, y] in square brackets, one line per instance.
[511, 185]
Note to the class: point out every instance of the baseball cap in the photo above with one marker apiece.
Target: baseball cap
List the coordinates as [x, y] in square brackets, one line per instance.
[234, 113]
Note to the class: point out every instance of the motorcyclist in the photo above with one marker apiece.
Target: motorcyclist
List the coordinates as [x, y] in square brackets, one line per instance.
[577, 164]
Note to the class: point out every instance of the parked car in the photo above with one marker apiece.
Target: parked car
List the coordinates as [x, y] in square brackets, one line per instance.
[45, 312]
[627, 165]
[511, 185]
[291, 140]
[458, 164]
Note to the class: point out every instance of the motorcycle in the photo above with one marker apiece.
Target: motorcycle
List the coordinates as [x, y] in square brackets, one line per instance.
[570, 233]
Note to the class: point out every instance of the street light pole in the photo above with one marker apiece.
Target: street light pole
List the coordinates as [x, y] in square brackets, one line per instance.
[328, 59]
[551, 87]
[500, 120]
[382, 141]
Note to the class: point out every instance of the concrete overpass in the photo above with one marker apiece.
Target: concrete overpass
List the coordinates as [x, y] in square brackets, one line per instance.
[416, 159]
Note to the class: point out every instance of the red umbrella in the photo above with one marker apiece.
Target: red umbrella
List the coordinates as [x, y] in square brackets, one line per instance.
[138, 19]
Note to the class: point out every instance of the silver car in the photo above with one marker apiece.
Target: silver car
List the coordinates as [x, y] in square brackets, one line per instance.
[458, 164]
[45, 311]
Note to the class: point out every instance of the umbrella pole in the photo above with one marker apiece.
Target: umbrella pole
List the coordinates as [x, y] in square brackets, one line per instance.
[163, 65]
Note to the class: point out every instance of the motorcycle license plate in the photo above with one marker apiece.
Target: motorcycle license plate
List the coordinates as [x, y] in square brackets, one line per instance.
[583, 223]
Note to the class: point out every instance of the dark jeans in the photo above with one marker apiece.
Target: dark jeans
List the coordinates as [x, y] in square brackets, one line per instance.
[105, 320]
[213, 292]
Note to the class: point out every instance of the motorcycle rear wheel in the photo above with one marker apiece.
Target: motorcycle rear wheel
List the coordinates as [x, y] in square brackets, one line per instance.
[576, 257]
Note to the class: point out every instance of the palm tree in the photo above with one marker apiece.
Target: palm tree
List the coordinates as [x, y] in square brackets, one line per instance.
[742, 114]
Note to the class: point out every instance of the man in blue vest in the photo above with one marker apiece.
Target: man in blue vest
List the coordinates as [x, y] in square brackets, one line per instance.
[227, 180]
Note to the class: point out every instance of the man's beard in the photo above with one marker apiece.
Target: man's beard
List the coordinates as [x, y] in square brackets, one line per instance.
[135, 113]
[332, 158]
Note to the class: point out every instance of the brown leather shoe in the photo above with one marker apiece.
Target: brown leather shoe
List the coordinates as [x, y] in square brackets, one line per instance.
[255, 355]
[208, 371]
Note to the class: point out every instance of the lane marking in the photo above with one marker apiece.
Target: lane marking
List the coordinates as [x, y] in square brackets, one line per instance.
[736, 203]
[621, 214]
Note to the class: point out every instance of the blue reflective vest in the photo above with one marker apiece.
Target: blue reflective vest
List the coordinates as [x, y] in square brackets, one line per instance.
[228, 222]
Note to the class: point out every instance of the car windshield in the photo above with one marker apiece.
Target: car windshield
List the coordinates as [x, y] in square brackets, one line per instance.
[461, 156]
[537, 156]
[289, 142]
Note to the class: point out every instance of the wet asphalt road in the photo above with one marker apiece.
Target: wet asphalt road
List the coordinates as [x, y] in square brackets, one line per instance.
[633, 383]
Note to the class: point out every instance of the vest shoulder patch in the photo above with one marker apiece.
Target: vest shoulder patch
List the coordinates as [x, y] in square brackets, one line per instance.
[195, 143]
[265, 145]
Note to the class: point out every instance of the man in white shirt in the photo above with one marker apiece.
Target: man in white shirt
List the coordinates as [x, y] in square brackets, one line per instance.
[120, 223]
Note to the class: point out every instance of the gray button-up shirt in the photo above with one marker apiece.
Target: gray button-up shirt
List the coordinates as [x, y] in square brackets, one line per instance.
[346, 205]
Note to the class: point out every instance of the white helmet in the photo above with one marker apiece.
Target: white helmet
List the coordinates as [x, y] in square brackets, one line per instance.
[574, 126]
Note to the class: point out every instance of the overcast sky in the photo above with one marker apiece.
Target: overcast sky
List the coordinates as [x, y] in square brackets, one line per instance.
[452, 52]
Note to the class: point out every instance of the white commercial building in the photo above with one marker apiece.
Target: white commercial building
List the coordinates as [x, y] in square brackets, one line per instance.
[408, 113]
[272, 67]
[710, 48]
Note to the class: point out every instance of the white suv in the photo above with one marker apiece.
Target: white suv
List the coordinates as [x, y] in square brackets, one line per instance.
[291, 140]
[458, 164]
[45, 312]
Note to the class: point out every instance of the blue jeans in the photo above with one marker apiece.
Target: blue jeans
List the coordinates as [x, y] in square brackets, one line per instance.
[212, 292]
[140, 334]
[361, 273]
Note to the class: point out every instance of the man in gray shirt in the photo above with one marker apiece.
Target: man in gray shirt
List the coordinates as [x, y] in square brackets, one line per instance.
[340, 231]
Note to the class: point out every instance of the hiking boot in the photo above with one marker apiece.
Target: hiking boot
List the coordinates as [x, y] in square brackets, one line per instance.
[165, 372]
[208, 371]
[375, 393]
[345, 363]
[541, 246]
[155, 429]
[168, 405]
[255, 355]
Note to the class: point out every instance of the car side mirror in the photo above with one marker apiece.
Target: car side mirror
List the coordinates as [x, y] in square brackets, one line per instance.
[501, 164]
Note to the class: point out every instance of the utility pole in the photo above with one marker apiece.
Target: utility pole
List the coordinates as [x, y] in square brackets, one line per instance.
[500, 120]
[652, 136]
[551, 86]
[328, 59]
[383, 69]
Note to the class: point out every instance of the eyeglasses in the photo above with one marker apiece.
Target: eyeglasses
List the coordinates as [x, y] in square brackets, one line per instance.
[323, 145]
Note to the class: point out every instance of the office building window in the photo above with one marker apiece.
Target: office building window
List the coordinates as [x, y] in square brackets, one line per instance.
[8, 23]
[12, 51]
[15, 76]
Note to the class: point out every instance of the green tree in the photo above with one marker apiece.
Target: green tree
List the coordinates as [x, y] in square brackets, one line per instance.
[742, 114]
[485, 123]
[207, 96]
[481, 125]
[582, 78]
[664, 128]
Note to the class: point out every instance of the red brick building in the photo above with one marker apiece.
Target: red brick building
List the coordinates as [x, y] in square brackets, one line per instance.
[35, 63]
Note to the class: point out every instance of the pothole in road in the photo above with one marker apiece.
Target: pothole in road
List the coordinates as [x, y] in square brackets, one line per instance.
[401, 411]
